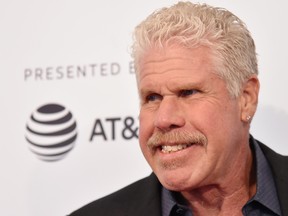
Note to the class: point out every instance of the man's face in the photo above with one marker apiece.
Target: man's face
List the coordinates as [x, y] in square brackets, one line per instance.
[191, 132]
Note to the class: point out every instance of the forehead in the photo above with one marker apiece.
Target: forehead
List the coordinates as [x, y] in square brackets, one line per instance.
[175, 61]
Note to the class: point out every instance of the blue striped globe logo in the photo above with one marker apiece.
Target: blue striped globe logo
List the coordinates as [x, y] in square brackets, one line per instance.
[51, 132]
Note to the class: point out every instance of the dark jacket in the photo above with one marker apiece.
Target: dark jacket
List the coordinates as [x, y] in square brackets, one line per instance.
[142, 198]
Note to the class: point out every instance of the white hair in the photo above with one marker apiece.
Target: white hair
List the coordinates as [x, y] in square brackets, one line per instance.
[193, 25]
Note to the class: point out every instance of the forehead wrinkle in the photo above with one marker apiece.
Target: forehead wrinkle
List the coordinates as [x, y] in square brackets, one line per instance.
[162, 72]
[151, 65]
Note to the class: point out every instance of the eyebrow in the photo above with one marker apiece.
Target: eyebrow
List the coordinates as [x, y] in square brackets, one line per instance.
[177, 87]
[144, 93]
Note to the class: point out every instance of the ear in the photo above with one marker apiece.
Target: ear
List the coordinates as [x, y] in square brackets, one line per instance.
[249, 98]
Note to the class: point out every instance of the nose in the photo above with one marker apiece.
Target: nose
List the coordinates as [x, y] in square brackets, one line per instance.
[169, 115]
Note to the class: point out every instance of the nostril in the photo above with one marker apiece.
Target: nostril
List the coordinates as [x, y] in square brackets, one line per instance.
[173, 126]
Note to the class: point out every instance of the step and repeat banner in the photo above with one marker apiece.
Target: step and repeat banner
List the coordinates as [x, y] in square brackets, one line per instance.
[68, 63]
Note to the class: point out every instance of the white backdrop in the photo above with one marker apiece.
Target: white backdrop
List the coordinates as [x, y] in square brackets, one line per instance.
[76, 54]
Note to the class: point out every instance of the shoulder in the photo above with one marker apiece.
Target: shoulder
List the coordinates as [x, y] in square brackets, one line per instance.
[275, 159]
[130, 198]
[279, 168]
[278, 163]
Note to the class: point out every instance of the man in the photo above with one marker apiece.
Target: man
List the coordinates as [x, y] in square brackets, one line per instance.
[196, 71]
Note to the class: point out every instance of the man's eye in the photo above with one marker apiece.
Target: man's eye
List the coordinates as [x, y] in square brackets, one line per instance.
[153, 97]
[185, 93]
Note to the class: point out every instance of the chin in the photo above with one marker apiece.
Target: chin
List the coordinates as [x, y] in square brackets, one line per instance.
[176, 182]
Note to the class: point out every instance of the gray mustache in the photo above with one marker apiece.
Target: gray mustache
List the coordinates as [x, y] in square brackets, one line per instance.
[176, 137]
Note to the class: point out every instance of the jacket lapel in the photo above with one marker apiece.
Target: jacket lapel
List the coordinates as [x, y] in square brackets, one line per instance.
[148, 201]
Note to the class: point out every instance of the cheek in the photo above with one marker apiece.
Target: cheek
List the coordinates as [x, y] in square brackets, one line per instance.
[145, 128]
[145, 131]
[221, 126]
[219, 115]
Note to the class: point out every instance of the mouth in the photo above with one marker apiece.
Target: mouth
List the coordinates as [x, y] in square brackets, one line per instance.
[174, 142]
[174, 148]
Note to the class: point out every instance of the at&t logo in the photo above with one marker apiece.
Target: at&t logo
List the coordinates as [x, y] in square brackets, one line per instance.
[51, 132]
